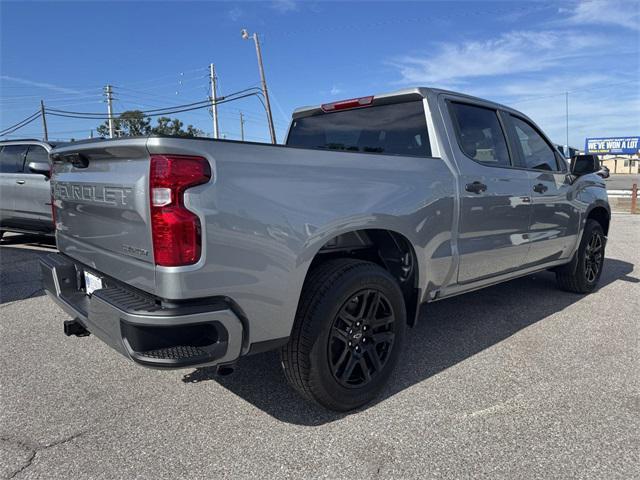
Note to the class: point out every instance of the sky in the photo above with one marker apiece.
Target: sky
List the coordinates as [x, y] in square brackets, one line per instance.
[156, 53]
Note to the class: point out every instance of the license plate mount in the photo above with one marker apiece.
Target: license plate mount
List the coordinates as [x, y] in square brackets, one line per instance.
[91, 283]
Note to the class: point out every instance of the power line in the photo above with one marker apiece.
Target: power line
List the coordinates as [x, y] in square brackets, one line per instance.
[24, 123]
[151, 96]
[34, 114]
[92, 114]
[51, 97]
[151, 113]
[145, 82]
[162, 110]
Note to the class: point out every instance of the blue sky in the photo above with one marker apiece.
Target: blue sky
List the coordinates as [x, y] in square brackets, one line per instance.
[523, 54]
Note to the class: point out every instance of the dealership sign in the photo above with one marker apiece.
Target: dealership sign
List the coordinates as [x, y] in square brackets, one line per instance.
[612, 145]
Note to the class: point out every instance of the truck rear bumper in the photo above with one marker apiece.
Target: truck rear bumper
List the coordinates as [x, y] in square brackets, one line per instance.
[199, 333]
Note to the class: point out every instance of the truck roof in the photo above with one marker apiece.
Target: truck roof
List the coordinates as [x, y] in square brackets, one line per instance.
[398, 95]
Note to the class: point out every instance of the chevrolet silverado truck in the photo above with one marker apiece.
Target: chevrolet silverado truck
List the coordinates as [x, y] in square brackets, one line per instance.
[195, 252]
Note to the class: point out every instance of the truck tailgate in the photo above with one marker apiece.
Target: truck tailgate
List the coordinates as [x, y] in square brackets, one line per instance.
[101, 195]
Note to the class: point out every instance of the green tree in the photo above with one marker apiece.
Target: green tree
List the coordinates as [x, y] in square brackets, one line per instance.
[168, 126]
[163, 127]
[128, 124]
[193, 131]
[134, 122]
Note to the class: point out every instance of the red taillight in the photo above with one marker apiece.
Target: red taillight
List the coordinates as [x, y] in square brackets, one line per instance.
[345, 104]
[176, 230]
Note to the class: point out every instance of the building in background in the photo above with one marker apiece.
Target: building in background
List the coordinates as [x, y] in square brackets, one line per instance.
[618, 154]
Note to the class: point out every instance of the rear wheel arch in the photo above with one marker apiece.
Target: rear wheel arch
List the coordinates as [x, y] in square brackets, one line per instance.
[391, 250]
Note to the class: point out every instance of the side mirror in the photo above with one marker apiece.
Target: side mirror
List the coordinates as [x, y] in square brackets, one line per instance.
[603, 172]
[584, 164]
[39, 167]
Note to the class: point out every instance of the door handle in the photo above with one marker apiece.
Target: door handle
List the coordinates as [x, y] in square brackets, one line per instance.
[475, 187]
[20, 182]
[540, 188]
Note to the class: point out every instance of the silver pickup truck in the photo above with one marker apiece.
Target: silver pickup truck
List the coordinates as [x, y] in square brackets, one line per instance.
[194, 252]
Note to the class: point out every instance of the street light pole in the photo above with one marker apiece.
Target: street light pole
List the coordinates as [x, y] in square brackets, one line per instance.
[246, 36]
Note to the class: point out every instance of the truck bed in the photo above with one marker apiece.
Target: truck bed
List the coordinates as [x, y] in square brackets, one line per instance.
[265, 213]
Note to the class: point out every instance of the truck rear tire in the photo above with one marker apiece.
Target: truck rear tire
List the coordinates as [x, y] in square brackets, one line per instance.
[347, 335]
[589, 262]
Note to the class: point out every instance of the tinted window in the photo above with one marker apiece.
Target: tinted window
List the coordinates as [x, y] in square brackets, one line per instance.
[12, 158]
[536, 152]
[480, 134]
[396, 129]
[36, 153]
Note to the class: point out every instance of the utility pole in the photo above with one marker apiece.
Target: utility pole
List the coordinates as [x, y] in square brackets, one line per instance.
[241, 127]
[214, 98]
[245, 36]
[109, 93]
[44, 121]
[566, 104]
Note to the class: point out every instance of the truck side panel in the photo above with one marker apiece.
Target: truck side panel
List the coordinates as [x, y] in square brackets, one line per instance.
[270, 209]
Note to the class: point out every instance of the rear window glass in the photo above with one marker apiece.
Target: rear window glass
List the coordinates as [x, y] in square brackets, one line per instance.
[480, 135]
[395, 129]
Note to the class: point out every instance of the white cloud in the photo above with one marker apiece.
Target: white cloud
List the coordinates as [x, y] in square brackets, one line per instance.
[33, 83]
[534, 86]
[531, 70]
[513, 52]
[235, 13]
[284, 6]
[591, 114]
[335, 90]
[624, 14]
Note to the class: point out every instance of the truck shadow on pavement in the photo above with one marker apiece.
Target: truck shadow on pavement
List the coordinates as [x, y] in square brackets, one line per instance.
[20, 276]
[448, 332]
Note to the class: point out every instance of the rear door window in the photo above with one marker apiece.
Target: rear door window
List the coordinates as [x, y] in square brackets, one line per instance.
[394, 129]
[12, 158]
[480, 134]
[36, 153]
[536, 153]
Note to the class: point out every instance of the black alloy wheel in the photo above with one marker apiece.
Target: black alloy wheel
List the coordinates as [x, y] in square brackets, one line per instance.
[347, 335]
[583, 273]
[594, 256]
[361, 340]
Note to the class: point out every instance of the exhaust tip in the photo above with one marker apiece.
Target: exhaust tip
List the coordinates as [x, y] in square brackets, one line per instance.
[74, 327]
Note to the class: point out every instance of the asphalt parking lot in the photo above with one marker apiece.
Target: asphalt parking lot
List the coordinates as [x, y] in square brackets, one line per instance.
[619, 181]
[518, 380]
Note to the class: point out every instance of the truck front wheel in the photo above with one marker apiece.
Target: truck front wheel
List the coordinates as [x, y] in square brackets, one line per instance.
[347, 335]
[589, 261]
